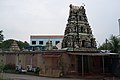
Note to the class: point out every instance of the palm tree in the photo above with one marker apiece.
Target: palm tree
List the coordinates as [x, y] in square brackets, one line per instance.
[114, 40]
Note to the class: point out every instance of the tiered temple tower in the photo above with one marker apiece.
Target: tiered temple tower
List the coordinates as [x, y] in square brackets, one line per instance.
[78, 34]
[14, 46]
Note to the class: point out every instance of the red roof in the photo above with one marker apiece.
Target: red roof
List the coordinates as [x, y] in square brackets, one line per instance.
[47, 36]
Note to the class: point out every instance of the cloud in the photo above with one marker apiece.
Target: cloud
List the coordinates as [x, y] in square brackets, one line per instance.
[20, 18]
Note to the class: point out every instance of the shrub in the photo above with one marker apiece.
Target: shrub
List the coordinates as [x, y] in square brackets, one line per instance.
[37, 70]
[9, 67]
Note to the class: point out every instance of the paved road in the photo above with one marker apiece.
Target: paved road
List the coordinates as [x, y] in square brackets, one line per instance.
[30, 77]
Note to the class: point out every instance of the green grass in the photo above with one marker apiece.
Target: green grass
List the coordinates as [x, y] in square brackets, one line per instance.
[4, 79]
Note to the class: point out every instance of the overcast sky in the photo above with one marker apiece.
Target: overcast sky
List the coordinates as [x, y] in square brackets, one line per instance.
[21, 18]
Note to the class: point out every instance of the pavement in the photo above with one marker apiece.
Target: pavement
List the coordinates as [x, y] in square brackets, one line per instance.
[31, 77]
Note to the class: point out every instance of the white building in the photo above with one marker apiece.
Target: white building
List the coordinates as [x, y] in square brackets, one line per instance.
[40, 40]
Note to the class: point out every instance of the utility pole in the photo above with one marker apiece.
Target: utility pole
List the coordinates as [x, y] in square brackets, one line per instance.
[119, 26]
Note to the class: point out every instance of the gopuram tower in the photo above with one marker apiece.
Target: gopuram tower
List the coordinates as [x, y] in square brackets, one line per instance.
[78, 34]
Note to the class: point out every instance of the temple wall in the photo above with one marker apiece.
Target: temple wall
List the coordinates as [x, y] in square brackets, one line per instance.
[56, 64]
[2, 59]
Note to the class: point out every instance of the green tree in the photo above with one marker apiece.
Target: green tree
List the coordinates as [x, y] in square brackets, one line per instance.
[22, 44]
[112, 44]
[7, 43]
[1, 36]
[114, 40]
[105, 46]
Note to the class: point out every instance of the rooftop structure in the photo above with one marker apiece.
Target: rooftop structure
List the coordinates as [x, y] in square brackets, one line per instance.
[40, 42]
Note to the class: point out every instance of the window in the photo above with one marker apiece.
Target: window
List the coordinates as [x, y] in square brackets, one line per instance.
[33, 42]
[57, 42]
[40, 42]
